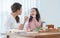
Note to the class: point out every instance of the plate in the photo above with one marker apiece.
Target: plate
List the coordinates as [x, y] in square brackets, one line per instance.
[16, 31]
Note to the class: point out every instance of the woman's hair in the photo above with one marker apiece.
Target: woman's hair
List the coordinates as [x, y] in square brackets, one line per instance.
[37, 15]
[16, 6]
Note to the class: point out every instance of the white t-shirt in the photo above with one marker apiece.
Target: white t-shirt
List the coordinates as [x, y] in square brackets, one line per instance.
[11, 23]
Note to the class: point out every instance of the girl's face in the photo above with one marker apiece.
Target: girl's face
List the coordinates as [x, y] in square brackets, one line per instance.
[33, 13]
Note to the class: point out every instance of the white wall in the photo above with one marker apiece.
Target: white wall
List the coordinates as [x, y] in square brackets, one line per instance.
[50, 11]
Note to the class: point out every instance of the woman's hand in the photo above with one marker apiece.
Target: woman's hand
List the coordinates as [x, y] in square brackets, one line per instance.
[25, 18]
[21, 27]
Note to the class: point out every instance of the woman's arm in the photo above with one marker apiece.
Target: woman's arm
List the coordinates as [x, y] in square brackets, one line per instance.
[21, 26]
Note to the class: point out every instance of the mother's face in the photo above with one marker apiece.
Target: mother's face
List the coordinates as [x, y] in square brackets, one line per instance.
[19, 11]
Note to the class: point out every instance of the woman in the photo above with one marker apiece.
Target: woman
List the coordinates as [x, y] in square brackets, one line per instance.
[13, 20]
[34, 20]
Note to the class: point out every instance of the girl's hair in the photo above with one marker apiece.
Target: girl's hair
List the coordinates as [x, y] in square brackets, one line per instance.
[16, 6]
[37, 15]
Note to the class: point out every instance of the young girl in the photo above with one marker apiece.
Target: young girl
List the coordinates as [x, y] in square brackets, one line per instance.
[34, 20]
